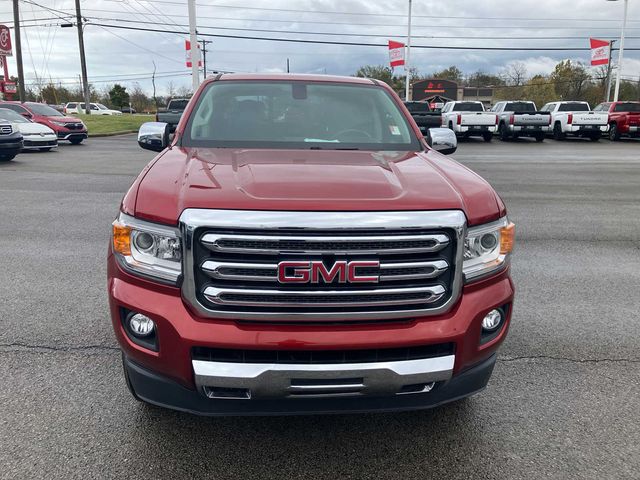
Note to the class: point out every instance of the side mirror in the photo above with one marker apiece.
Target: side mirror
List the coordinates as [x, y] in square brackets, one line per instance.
[154, 136]
[442, 140]
[27, 115]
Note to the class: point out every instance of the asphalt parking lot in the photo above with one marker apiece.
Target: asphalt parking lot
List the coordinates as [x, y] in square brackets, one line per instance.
[563, 401]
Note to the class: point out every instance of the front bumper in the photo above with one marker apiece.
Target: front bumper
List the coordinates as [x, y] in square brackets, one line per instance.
[72, 135]
[34, 142]
[159, 390]
[11, 146]
[180, 331]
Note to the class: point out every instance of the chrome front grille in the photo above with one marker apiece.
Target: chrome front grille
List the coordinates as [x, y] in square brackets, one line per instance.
[231, 263]
[6, 130]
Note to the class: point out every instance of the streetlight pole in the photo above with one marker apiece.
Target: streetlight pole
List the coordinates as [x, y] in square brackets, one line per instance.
[407, 63]
[16, 25]
[83, 61]
[621, 51]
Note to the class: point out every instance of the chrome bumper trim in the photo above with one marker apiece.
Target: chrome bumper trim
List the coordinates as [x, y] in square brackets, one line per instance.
[297, 380]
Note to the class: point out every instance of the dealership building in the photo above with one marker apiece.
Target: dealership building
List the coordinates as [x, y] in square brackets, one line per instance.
[438, 92]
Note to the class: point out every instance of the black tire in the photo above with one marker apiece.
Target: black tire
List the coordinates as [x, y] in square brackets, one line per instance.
[487, 137]
[502, 132]
[76, 141]
[614, 133]
[7, 157]
[44, 149]
[451, 127]
[558, 134]
[595, 137]
[539, 137]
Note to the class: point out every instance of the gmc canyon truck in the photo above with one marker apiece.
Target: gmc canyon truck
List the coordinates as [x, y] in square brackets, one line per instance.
[520, 119]
[575, 119]
[300, 247]
[624, 119]
[424, 117]
[468, 119]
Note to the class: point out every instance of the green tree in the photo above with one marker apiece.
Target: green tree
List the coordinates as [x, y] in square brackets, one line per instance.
[540, 89]
[378, 72]
[482, 79]
[452, 73]
[119, 96]
[571, 80]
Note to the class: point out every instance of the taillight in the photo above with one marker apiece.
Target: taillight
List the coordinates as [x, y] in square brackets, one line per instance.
[570, 118]
[512, 119]
[550, 119]
[459, 120]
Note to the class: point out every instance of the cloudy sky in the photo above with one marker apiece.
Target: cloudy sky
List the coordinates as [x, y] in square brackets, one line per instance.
[127, 56]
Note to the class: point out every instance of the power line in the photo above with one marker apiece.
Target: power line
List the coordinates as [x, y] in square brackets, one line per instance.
[359, 44]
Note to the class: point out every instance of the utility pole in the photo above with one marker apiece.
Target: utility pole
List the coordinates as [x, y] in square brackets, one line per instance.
[195, 52]
[621, 52]
[16, 26]
[204, 56]
[607, 95]
[83, 62]
[407, 64]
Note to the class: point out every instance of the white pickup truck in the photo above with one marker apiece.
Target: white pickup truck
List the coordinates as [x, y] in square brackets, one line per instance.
[576, 119]
[520, 119]
[469, 119]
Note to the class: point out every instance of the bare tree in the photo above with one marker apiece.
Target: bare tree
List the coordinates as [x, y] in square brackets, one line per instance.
[515, 73]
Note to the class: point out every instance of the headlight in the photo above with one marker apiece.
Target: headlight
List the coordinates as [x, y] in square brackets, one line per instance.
[487, 249]
[147, 249]
[60, 124]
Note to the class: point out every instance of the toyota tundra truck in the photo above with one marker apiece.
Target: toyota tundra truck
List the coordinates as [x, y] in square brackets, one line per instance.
[624, 119]
[575, 119]
[520, 119]
[299, 247]
[468, 119]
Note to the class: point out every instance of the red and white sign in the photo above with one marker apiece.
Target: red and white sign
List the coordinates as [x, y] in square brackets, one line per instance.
[396, 53]
[600, 51]
[187, 47]
[10, 87]
[5, 41]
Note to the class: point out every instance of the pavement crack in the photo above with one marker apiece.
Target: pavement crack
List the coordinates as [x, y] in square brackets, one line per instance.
[568, 359]
[20, 346]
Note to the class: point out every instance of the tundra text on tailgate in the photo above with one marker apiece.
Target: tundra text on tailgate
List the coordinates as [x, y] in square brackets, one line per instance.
[299, 247]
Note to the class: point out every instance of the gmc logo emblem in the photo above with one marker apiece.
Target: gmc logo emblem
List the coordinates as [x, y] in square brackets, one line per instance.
[313, 271]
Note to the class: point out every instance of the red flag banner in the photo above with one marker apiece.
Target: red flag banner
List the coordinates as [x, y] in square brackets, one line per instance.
[600, 51]
[5, 41]
[396, 53]
[187, 47]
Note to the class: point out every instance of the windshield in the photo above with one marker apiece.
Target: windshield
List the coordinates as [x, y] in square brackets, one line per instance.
[11, 116]
[46, 110]
[520, 107]
[417, 107]
[573, 107]
[298, 115]
[178, 104]
[467, 107]
[627, 107]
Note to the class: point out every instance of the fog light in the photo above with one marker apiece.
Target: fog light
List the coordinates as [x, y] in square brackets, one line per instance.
[492, 320]
[141, 325]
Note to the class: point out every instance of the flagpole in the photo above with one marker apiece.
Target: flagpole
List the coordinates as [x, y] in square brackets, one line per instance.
[621, 52]
[407, 64]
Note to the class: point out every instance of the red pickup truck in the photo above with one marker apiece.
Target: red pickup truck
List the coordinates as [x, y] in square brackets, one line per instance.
[300, 247]
[624, 119]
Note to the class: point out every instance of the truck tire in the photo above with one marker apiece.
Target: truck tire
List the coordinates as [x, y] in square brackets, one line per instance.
[487, 137]
[558, 134]
[595, 137]
[502, 132]
[7, 157]
[614, 133]
[539, 137]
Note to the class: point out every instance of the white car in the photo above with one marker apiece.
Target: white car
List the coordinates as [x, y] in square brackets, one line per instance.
[577, 119]
[96, 109]
[468, 118]
[36, 136]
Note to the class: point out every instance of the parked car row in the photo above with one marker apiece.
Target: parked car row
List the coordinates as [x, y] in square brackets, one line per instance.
[513, 119]
[35, 126]
[78, 108]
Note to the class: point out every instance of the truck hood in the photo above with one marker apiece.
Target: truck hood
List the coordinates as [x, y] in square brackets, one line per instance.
[311, 180]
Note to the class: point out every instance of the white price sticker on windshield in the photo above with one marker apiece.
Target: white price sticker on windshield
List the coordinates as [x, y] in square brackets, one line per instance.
[394, 130]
